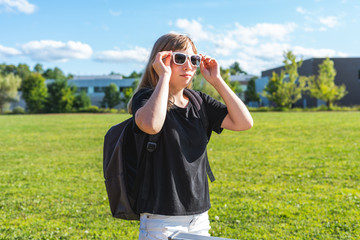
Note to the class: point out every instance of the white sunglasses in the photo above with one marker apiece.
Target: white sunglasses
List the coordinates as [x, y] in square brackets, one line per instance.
[180, 59]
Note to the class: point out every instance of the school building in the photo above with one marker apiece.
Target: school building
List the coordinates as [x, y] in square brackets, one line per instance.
[348, 73]
[94, 86]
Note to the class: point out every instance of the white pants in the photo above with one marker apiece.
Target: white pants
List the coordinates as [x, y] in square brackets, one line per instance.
[160, 227]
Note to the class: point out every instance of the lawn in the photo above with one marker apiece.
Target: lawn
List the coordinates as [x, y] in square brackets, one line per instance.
[292, 176]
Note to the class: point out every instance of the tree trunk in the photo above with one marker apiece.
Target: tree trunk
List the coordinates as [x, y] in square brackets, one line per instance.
[329, 105]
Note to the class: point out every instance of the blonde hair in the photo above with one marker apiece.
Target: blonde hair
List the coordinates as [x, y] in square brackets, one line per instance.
[167, 42]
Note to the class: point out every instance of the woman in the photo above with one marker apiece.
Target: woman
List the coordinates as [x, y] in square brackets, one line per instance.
[178, 198]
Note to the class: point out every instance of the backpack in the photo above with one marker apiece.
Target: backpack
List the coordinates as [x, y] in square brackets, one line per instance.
[125, 157]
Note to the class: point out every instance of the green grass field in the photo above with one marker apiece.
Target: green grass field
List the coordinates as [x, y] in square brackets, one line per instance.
[292, 176]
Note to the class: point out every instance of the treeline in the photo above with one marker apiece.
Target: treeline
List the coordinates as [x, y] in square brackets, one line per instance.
[286, 88]
[57, 96]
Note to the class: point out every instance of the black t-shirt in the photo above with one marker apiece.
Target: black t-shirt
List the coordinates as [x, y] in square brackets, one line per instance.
[179, 184]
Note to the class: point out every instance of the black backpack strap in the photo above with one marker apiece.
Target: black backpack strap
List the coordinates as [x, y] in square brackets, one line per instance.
[143, 177]
[196, 99]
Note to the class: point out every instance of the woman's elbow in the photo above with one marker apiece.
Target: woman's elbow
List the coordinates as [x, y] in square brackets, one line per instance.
[152, 130]
[249, 125]
[147, 125]
[245, 125]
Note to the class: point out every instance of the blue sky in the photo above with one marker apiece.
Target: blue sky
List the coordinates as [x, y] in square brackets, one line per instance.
[85, 37]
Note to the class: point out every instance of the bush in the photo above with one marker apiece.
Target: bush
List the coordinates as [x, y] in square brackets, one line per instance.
[259, 109]
[18, 110]
[92, 109]
[82, 100]
[314, 109]
[96, 109]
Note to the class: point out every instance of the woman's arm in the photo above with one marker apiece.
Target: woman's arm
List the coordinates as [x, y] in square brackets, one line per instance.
[238, 117]
[150, 118]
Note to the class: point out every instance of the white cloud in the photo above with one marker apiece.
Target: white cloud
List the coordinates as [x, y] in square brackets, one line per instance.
[274, 31]
[258, 47]
[254, 34]
[115, 13]
[313, 52]
[225, 45]
[239, 36]
[193, 28]
[330, 21]
[49, 50]
[138, 54]
[266, 56]
[308, 29]
[314, 22]
[18, 5]
[268, 51]
[301, 10]
[8, 51]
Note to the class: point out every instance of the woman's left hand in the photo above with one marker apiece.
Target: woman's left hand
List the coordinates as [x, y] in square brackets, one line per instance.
[210, 69]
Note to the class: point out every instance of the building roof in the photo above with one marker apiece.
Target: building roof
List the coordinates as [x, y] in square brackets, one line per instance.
[101, 81]
[243, 79]
[98, 77]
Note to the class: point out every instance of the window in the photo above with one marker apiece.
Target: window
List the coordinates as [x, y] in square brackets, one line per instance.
[359, 75]
[82, 89]
[99, 89]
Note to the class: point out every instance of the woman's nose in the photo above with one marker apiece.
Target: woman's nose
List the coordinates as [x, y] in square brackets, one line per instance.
[187, 63]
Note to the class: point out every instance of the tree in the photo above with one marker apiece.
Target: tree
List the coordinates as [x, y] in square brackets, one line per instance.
[114, 73]
[7, 69]
[39, 68]
[127, 93]
[58, 74]
[61, 96]
[9, 85]
[200, 84]
[234, 85]
[134, 74]
[23, 71]
[235, 69]
[82, 100]
[112, 96]
[285, 88]
[55, 74]
[34, 92]
[323, 86]
[69, 76]
[250, 94]
[48, 74]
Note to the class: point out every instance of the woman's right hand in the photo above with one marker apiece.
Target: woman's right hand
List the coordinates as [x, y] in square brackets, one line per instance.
[162, 62]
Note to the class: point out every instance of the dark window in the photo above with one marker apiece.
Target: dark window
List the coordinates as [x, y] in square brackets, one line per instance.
[99, 89]
[359, 75]
[82, 89]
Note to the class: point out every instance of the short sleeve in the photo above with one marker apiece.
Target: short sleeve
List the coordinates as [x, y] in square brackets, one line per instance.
[215, 111]
[140, 98]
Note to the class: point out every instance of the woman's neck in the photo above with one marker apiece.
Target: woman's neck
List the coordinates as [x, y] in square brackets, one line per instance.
[179, 98]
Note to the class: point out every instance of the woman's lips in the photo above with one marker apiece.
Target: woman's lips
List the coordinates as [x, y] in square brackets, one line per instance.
[186, 75]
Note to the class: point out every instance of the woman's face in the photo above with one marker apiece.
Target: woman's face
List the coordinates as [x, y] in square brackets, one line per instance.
[182, 75]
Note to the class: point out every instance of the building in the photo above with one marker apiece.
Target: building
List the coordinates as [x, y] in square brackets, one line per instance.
[243, 80]
[348, 73]
[94, 86]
